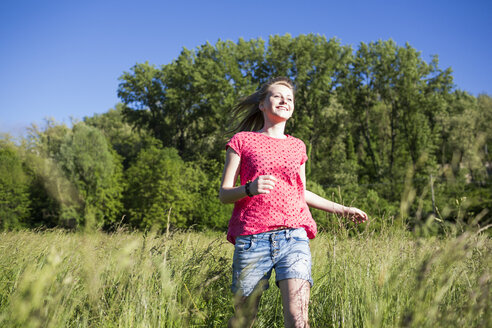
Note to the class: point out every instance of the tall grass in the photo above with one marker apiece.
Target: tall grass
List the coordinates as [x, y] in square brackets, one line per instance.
[59, 279]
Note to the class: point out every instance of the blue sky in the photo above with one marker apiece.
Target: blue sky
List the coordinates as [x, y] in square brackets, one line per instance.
[62, 59]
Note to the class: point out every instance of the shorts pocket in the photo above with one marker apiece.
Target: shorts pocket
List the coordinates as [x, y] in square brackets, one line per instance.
[244, 243]
[300, 235]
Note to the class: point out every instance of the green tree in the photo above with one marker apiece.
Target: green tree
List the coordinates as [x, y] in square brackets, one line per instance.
[394, 98]
[50, 191]
[90, 164]
[333, 159]
[485, 128]
[124, 139]
[380, 116]
[14, 188]
[465, 135]
[162, 185]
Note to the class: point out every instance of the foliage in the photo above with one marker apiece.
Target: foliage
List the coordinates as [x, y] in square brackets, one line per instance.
[91, 165]
[120, 135]
[385, 130]
[14, 188]
[77, 172]
[163, 190]
[378, 121]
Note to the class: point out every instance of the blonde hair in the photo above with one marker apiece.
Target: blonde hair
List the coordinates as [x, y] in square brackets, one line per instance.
[247, 110]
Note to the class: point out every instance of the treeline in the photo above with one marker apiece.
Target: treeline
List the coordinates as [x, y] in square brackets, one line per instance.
[385, 130]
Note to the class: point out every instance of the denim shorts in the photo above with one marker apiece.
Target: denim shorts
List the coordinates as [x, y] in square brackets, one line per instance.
[287, 251]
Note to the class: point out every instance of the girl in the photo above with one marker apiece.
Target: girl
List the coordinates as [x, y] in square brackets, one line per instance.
[271, 224]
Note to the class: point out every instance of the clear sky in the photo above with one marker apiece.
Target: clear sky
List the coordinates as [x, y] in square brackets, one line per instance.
[62, 59]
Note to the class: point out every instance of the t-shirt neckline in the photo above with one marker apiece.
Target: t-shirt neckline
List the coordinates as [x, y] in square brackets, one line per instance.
[286, 136]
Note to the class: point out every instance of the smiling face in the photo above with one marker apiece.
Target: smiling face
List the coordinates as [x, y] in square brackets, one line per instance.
[278, 104]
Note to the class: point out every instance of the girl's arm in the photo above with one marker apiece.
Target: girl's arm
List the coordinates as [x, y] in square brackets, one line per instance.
[326, 205]
[229, 193]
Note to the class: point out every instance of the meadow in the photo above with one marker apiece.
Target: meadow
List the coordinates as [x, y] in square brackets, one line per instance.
[133, 279]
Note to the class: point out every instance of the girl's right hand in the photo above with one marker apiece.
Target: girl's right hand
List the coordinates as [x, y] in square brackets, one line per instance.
[263, 184]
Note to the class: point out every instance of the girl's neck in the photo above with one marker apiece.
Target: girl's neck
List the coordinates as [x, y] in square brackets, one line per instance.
[274, 130]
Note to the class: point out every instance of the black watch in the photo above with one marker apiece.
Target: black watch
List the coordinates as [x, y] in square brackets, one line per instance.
[246, 187]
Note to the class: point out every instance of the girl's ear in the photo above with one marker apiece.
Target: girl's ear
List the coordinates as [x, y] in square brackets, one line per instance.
[260, 105]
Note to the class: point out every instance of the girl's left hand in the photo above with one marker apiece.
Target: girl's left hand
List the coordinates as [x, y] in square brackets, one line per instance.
[356, 215]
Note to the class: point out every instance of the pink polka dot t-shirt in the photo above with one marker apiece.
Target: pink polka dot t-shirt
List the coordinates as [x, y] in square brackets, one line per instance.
[285, 205]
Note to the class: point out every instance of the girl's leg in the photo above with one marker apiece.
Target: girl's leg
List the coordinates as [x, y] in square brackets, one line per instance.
[245, 310]
[251, 269]
[295, 300]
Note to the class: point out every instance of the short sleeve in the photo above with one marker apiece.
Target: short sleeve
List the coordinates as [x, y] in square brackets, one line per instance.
[235, 143]
[304, 156]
